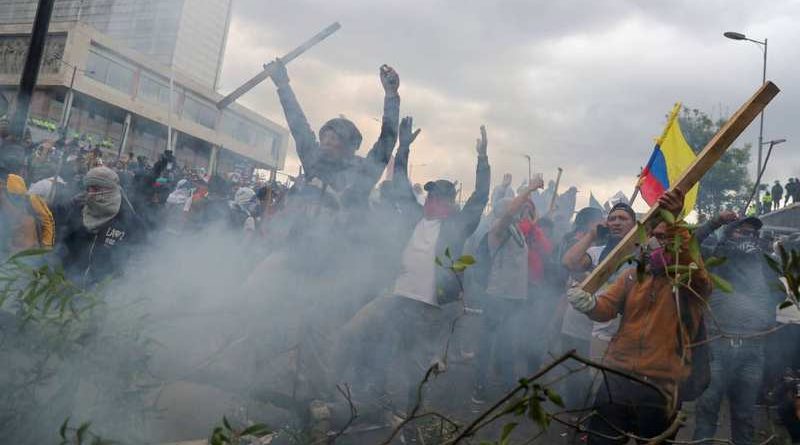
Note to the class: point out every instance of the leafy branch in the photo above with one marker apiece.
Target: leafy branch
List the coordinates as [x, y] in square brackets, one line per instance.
[226, 434]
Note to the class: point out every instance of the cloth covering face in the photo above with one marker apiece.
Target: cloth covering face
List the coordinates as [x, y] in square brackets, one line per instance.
[101, 205]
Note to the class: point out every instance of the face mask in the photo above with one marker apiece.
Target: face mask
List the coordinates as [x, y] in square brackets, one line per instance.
[437, 208]
[745, 246]
[659, 258]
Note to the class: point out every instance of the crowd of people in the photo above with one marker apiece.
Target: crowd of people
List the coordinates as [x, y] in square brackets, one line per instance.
[779, 196]
[93, 214]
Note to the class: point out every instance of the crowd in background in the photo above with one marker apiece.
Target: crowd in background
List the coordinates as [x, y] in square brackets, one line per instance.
[92, 211]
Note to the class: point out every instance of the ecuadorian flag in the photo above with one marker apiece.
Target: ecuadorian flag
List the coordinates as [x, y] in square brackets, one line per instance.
[671, 156]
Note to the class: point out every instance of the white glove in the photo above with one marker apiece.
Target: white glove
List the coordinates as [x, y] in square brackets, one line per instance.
[581, 300]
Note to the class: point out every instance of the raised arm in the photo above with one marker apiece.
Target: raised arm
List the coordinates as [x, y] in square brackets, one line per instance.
[575, 259]
[380, 153]
[473, 209]
[505, 220]
[402, 190]
[304, 138]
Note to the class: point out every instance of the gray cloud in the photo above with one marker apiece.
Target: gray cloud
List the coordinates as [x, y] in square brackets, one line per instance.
[582, 85]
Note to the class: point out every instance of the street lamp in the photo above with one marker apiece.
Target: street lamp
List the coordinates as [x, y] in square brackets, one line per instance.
[739, 36]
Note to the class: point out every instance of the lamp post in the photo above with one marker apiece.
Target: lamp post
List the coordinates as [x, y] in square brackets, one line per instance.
[739, 36]
[530, 175]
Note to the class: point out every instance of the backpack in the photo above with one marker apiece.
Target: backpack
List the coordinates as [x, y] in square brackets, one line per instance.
[483, 262]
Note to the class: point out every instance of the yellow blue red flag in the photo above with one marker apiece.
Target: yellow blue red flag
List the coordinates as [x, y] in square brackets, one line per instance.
[671, 157]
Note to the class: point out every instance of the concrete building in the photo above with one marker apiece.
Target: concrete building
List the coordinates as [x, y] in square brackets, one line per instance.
[189, 35]
[122, 97]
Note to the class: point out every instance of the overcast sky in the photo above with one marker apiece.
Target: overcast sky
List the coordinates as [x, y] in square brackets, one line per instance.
[583, 85]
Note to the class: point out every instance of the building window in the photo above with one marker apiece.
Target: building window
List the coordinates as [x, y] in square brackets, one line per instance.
[199, 111]
[155, 91]
[110, 72]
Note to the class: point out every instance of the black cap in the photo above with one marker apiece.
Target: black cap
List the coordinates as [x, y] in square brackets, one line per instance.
[441, 187]
[750, 221]
[625, 207]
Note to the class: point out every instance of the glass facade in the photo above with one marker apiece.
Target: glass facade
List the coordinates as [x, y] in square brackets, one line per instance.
[246, 131]
[116, 74]
[200, 111]
[188, 34]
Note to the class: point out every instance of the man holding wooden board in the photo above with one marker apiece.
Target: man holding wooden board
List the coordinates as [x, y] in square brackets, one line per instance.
[660, 318]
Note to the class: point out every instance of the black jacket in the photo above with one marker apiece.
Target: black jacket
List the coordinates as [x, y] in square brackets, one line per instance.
[91, 257]
[455, 229]
[354, 177]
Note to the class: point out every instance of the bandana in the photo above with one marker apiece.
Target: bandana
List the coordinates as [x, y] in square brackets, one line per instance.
[437, 209]
[102, 205]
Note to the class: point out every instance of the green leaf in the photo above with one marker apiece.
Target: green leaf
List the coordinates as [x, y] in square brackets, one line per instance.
[226, 423]
[27, 253]
[720, 283]
[82, 431]
[773, 264]
[459, 267]
[63, 430]
[694, 250]
[257, 430]
[438, 261]
[537, 413]
[715, 261]
[554, 397]
[469, 260]
[785, 304]
[447, 253]
[641, 234]
[506, 433]
[667, 216]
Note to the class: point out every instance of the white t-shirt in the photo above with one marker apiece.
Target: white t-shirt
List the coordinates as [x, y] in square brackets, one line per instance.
[417, 279]
[604, 330]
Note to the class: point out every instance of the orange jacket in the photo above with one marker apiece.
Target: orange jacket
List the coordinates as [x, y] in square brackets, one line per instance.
[649, 342]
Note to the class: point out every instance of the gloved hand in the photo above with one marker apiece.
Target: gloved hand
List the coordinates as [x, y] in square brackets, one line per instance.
[581, 300]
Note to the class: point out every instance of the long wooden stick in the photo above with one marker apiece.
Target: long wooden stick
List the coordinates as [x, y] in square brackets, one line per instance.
[703, 162]
[260, 77]
[555, 191]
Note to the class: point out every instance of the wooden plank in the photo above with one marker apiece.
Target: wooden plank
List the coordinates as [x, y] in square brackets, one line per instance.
[267, 72]
[705, 160]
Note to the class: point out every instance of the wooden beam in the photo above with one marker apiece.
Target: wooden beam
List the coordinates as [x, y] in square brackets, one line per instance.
[267, 72]
[703, 162]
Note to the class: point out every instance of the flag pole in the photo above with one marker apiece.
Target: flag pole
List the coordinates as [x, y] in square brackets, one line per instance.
[671, 120]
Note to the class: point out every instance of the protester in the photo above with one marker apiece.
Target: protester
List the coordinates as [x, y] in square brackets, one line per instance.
[792, 191]
[331, 165]
[777, 194]
[506, 292]
[502, 191]
[25, 221]
[741, 318]
[101, 231]
[405, 325]
[653, 338]
[766, 203]
[590, 251]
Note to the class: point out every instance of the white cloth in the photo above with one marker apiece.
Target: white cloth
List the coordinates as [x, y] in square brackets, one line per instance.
[42, 188]
[417, 279]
